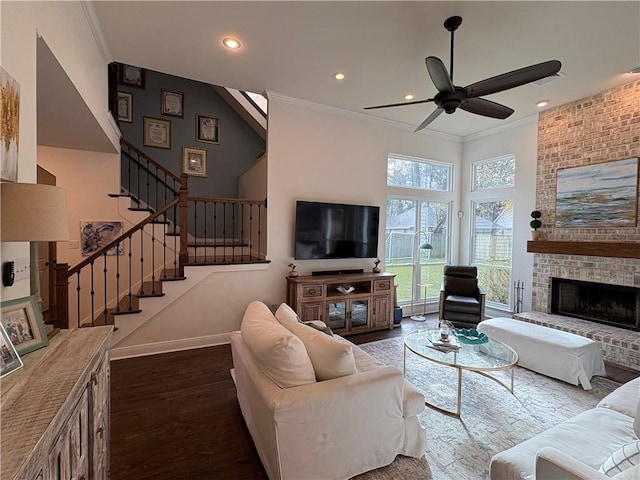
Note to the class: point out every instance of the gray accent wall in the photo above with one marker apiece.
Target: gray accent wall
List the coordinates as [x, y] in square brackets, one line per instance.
[238, 149]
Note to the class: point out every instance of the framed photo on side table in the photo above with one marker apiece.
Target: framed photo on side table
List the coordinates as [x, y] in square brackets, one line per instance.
[207, 129]
[157, 133]
[22, 321]
[194, 161]
[172, 103]
[9, 358]
[125, 107]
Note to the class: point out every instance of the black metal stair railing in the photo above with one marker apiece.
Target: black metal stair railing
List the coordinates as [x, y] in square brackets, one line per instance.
[180, 230]
[110, 282]
[225, 231]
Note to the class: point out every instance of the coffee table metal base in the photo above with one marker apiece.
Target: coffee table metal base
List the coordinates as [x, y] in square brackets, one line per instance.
[456, 413]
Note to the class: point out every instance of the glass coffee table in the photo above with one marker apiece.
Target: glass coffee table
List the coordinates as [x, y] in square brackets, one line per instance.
[485, 355]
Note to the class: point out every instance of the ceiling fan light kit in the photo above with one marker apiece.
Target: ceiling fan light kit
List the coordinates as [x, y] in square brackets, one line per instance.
[451, 97]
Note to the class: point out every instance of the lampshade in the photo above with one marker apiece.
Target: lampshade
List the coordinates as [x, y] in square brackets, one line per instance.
[426, 246]
[33, 213]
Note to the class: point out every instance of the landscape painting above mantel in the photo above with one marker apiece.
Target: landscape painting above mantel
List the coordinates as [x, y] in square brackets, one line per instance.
[601, 195]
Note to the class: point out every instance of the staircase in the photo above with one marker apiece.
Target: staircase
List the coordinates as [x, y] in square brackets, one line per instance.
[177, 231]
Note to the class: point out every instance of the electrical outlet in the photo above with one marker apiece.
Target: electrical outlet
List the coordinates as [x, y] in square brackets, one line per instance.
[73, 244]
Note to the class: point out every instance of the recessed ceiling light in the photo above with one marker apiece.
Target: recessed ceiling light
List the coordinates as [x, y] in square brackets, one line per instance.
[338, 76]
[231, 42]
[542, 103]
[408, 96]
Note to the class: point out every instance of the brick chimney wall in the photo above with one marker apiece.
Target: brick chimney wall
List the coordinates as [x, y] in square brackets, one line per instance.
[597, 129]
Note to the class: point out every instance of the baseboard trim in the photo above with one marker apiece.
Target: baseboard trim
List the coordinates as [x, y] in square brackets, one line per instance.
[156, 348]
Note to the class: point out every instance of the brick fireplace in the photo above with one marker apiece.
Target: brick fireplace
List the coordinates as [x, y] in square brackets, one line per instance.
[597, 302]
[601, 128]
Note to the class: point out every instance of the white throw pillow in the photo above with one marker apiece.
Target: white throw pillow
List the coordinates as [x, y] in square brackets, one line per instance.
[279, 354]
[286, 316]
[622, 459]
[331, 357]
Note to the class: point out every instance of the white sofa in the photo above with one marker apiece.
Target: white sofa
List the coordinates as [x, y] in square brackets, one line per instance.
[576, 448]
[317, 406]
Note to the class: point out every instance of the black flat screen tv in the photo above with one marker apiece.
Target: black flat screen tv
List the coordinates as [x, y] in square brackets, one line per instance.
[332, 230]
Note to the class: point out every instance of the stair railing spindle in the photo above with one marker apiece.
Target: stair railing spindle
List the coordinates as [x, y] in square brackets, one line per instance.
[142, 261]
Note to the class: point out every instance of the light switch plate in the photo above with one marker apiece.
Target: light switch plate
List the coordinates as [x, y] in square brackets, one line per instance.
[22, 268]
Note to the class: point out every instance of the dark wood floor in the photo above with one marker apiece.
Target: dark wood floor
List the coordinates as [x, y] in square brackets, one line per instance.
[176, 416]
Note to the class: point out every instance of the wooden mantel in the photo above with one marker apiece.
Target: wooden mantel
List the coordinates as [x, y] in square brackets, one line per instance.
[596, 249]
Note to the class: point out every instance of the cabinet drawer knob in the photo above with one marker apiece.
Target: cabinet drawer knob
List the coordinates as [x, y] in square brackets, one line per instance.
[100, 431]
[312, 291]
[94, 378]
[82, 477]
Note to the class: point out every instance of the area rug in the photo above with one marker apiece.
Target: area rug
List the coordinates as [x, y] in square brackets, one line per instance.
[492, 419]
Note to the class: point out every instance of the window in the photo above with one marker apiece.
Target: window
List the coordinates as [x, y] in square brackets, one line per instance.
[414, 225]
[417, 173]
[494, 173]
[492, 247]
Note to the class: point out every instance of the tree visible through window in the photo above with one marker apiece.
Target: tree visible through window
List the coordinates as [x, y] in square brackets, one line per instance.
[495, 173]
[492, 247]
[416, 173]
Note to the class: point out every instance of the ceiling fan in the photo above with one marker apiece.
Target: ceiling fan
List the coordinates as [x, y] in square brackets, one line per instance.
[450, 96]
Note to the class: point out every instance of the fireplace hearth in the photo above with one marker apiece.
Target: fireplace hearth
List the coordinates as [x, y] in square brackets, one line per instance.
[598, 302]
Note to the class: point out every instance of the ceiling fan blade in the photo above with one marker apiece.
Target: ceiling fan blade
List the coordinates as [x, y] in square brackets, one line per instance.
[481, 106]
[415, 102]
[438, 73]
[436, 113]
[513, 79]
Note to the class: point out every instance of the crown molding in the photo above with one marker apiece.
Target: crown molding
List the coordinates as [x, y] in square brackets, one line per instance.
[502, 128]
[96, 30]
[358, 116]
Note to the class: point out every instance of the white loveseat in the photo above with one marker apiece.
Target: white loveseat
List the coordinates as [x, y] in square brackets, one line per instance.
[576, 448]
[357, 415]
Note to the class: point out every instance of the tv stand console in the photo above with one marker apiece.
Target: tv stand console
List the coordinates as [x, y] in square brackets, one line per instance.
[368, 305]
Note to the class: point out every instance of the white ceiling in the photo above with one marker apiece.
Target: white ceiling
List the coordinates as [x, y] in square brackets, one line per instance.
[293, 48]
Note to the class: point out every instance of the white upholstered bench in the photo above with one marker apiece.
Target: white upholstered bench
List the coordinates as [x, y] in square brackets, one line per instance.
[557, 354]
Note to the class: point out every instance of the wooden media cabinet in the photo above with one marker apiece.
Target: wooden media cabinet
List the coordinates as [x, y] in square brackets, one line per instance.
[368, 307]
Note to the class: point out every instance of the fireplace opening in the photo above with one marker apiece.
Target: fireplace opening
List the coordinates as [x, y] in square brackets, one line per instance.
[615, 305]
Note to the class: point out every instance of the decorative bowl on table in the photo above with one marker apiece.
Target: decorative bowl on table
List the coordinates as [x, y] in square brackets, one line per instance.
[345, 289]
[470, 336]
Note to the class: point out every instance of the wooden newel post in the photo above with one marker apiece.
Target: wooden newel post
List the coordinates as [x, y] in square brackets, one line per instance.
[61, 296]
[183, 207]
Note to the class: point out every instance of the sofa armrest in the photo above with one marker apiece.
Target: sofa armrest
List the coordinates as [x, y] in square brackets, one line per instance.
[552, 464]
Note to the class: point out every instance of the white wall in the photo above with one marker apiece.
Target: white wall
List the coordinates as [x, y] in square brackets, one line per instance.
[64, 27]
[520, 139]
[88, 178]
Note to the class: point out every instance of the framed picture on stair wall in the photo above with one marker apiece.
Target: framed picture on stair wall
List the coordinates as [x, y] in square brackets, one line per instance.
[132, 76]
[194, 161]
[95, 235]
[207, 129]
[172, 103]
[125, 107]
[22, 320]
[157, 133]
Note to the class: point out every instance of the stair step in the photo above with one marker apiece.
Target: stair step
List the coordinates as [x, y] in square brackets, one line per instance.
[172, 275]
[150, 289]
[217, 243]
[125, 307]
[172, 234]
[162, 222]
[141, 209]
[224, 260]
